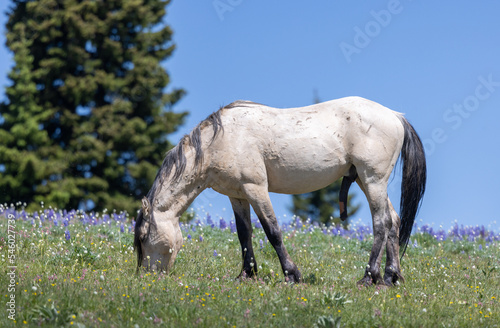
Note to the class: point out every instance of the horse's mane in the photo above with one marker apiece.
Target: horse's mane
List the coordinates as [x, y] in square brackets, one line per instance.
[176, 159]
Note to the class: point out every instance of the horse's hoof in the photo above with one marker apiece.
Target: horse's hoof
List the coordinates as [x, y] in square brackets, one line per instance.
[246, 275]
[365, 282]
[293, 277]
[393, 279]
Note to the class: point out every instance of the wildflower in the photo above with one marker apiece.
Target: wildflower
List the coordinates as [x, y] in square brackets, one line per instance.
[201, 238]
[67, 235]
[215, 253]
[222, 224]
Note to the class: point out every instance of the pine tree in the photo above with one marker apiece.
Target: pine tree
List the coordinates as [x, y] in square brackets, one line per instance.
[88, 102]
[322, 205]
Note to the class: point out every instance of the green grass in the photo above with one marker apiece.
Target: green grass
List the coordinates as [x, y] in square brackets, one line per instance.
[90, 280]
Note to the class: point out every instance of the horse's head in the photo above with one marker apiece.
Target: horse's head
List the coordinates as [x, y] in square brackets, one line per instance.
[157, 239]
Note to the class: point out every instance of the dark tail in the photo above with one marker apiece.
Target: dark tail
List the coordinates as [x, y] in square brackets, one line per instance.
[413, 184]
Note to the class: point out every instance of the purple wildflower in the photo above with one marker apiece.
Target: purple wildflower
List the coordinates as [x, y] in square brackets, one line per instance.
[232, 225]
[222, 224]
[215, 253]
[201, 238]
[67, 234]
[189, 237]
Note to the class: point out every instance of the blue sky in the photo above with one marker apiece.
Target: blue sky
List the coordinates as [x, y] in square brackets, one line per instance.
[438, 62]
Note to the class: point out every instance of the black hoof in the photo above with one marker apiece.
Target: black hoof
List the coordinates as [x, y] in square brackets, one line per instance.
[293, 276]
[246, 274]
[391, 278]
[370, 279]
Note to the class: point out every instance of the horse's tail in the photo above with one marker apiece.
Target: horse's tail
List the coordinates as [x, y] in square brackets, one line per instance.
[413, 182]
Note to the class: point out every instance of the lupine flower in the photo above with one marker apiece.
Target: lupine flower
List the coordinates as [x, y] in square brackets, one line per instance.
[215, 253]
[67, 234]
[222, 224]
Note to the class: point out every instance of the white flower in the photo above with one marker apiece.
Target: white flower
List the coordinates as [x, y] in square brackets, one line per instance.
[34, 288]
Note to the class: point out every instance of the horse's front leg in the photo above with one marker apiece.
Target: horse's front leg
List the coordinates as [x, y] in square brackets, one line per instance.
[241, 209]
[261, 203]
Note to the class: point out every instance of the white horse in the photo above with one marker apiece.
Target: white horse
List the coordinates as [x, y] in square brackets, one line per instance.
[246, 150]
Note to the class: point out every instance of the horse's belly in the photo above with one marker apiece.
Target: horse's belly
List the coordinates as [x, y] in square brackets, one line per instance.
[301, 175]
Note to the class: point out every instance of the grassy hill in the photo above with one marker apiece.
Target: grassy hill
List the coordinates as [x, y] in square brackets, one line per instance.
[78, 269]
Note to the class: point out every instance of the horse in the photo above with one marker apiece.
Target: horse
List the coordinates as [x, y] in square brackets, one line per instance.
[246, 150]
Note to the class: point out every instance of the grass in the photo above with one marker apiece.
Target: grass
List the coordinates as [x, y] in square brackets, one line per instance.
[76, 269]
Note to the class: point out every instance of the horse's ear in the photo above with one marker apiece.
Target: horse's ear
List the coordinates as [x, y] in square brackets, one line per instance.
[146, 206]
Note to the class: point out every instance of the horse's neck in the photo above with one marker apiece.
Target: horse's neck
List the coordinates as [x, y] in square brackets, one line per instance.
[176, 197]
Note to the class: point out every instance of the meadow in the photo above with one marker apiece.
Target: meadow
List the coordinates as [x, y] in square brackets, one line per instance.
[77, 269]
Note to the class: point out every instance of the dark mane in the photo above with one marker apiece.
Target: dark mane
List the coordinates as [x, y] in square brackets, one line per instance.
[242, 103]
[176, 160]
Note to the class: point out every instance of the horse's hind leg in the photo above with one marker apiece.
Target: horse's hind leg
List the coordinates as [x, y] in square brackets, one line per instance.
[258, 197]
[392, 266]
[241, 209]
[376, 193]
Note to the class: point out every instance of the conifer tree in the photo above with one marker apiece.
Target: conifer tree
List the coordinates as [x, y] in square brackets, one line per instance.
[87, 115]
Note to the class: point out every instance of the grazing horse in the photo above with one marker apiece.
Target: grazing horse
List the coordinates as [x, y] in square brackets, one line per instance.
[246, 150]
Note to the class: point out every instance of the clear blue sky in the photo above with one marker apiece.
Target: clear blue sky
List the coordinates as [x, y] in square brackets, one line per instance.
[438, 62]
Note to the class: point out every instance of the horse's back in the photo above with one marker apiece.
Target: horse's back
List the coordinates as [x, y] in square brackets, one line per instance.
[303, 149]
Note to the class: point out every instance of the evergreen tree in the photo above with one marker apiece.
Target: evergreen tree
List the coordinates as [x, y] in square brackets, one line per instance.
[87, 114]
[322, 205]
